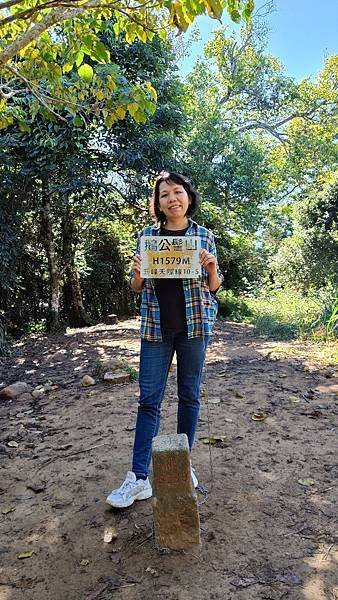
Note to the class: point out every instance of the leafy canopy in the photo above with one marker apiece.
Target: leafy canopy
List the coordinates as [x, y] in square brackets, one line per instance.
[55, 51]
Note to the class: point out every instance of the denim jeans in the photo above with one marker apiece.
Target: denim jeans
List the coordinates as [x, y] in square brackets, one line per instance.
[155, 361]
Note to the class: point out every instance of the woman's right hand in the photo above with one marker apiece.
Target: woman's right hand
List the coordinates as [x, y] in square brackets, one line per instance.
[136, 266]
[137, 280]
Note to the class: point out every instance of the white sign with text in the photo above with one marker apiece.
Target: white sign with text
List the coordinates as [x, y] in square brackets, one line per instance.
[174, 257]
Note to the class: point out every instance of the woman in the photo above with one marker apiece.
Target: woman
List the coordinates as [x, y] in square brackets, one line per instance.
[177, 315]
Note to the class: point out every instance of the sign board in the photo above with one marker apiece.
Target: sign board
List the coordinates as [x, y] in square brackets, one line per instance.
[170, 257]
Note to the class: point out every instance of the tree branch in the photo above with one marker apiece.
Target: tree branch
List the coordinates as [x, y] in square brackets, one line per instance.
[56, 16]
[233, 57]
[9, 3]
[6, 92]
[34, 92]
[273, 129]
[30, 12]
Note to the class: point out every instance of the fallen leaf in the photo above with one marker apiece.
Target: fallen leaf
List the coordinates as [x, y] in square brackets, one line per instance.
[258, 417]
[239, 395]
[84, 562]
[7, 510]
[26, 554]
[13, 444]
[294, 399]
[109, 535]
[65, 446]
[215, 440]
[41, 418]
[315, 414]
[306, 482]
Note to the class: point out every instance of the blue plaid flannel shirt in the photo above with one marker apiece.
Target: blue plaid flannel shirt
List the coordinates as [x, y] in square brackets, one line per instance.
[200, 304]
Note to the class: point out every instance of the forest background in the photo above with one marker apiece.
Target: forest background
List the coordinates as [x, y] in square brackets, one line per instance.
[92, 107]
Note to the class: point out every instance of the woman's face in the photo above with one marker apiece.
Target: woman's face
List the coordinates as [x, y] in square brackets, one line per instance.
[173, 200]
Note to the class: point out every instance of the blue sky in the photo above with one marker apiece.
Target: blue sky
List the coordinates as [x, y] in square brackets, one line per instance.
[301, 34]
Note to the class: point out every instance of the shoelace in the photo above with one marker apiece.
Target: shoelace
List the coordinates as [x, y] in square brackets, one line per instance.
[126, 486]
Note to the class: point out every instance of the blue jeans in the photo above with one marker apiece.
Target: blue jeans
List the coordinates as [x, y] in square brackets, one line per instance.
[155, 361]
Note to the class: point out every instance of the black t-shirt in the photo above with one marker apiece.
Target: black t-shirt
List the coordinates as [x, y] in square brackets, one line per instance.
[170, 296]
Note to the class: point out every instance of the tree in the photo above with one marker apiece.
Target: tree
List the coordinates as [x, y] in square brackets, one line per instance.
[70, 177]
[45, 42]
[308, 259]
[253, 137]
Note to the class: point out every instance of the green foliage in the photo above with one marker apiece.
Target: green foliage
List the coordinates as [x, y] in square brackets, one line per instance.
[37, 326]
[325, 326]
[287, 314]
[309, 257]
[332, 321]
[132, 372]
[106, 282]
[62, 60]
[232, 307]
[90, 175]
[241, 260]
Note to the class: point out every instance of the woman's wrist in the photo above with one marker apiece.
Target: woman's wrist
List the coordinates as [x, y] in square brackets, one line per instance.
[214, 281]
[137, 284]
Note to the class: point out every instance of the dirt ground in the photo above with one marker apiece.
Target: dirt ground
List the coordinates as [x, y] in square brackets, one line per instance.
[267, 523]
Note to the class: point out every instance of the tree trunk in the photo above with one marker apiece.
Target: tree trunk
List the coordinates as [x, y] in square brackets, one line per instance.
[75, 311]
[47, 240]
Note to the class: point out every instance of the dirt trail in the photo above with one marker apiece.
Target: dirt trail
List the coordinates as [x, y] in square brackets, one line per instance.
[268, 522]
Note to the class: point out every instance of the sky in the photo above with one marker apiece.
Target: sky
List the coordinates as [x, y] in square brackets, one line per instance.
[302, 33]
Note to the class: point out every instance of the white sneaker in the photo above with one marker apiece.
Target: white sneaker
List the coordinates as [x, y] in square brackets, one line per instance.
[131, 489]
[194, 478]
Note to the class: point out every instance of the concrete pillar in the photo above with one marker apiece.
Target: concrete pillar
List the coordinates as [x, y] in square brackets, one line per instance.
[175, 508]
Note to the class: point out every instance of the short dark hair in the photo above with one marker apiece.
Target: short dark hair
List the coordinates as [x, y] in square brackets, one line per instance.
[170, 178]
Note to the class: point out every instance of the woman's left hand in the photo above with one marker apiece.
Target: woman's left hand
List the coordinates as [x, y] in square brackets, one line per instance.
[208, 261]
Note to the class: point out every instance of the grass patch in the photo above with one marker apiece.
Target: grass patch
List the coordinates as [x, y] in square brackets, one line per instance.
[132, 372]
[285, 314]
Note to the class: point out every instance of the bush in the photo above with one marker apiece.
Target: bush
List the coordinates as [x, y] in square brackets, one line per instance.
[231, 307]
[106, 283]
[325, 327]
[286, 314]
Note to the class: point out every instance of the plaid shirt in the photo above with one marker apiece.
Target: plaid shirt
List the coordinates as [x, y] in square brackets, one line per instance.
[200, 304]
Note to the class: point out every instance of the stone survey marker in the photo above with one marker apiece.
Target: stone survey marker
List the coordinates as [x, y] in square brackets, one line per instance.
[176, 517]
